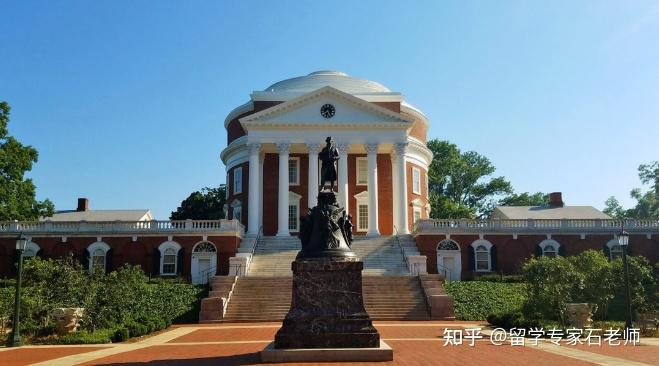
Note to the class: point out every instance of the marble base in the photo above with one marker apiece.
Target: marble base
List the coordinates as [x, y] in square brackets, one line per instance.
[379, 354]
[327, 307]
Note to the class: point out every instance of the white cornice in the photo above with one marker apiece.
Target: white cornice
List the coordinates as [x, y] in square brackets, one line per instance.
[269, 96]
[236, 145]
[249, 106]
[406, 108]
[259, 118]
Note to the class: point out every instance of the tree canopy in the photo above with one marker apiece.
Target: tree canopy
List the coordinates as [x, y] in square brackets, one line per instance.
[461, 184]
[647, 204]
[207, 204]
[17, 193]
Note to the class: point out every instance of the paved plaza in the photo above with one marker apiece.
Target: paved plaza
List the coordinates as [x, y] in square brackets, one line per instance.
[414, 343]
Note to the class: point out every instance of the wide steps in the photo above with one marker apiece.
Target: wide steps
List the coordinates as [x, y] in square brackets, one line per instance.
[269, 298]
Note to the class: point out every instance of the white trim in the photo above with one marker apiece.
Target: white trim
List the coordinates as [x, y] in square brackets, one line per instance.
[170, 244]
[611, 244]
[294, 200]
[488, 246]
[237, 188]
[242, 109]
[361, 200]
[416, 210]
[195, 273]
[416, 180]
[363, 160]
[551, 242]
[93, 247]
[297, 170]
[456, 254]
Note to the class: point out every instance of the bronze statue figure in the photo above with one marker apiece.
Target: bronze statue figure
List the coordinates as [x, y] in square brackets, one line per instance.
[328, 156]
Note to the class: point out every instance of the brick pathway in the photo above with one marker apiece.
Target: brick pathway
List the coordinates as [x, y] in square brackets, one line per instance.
[414, 343]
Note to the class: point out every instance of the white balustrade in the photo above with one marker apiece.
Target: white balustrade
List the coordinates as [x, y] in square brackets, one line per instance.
[443, 226]
[121, 226]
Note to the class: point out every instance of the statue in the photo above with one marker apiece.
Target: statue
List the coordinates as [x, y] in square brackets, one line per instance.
[324, 230]
[328, 156]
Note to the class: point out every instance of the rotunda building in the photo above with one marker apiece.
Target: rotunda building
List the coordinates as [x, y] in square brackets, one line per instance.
[272, 154]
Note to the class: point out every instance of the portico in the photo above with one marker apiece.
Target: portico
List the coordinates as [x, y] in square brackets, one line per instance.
[378, 137]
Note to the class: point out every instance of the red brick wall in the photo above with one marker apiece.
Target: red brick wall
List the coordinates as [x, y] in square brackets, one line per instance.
[419, 131]
[270, 193]
[385, 195]
[235, 130]
[243, 196]
[124, 250]
[392, 106]
[412, 196]
[511, 253]
[354, 189]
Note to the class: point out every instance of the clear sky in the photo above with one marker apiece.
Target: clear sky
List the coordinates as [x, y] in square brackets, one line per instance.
[125, 100]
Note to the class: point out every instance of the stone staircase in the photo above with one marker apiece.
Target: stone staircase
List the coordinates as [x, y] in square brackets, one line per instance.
[268, 298]
[381, 255]
[273, 256]
[212, 307]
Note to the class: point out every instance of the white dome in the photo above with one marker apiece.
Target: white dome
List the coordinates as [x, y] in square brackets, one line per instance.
[335, 79]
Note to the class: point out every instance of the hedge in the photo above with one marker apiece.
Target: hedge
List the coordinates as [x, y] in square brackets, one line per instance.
[475, 300]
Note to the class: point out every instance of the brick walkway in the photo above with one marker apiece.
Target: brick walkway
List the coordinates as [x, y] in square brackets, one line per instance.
[414, 343]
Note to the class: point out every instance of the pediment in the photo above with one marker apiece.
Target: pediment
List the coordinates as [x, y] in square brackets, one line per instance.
[304, 111]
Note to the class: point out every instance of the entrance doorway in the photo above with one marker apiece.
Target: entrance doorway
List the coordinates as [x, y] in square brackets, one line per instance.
[204, 262]
[449, 260]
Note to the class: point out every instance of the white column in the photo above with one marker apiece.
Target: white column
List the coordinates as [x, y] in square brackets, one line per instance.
[261, 158]
[343, 176]
[400, 188]
[282, 206]
[253, 197]
[372, 153]
[313, 175]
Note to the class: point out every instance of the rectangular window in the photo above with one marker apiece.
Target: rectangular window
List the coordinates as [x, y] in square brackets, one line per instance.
[362, 171]
[416, 181]
[293, 218]
[417, 214]
[293, 171]
[482, 261]
[362, 220]
[238, 180]
[169, 264]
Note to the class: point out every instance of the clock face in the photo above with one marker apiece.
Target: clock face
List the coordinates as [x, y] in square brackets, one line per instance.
[327, 110]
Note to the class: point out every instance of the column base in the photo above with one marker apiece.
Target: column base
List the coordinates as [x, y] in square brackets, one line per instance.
[283, 234]
[371, 234]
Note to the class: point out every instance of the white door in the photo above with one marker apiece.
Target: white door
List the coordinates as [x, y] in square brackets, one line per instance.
[204, 266]
[449, 264]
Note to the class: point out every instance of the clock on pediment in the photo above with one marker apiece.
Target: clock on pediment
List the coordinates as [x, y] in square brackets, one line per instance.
[327, 110]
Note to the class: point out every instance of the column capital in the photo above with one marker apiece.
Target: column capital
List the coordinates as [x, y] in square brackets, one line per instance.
[343, 149]
[283, 148]
[254, 147]
[400, 148]
[371, 148]
[313, 148]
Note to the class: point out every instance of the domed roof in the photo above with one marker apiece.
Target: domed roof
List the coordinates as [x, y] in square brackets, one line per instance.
[335, 79]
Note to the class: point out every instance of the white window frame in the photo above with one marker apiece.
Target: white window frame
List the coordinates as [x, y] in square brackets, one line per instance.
[238, 172]
[361, 160]
[416, 180]
[415, 211]
[32, 248]
[162, 248]
[294, 200]
[297, 171]
[92, 248]
[362, 200]
[613, 243]
[488, 248]
[552, 243]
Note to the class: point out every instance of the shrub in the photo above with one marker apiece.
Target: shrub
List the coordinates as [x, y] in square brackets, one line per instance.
[587, 277]
[475, 300]
[120, 335]
[500, 278]
[514, 320]
[84, 337]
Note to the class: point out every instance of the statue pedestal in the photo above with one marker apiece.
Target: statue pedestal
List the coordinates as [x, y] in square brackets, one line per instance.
[327, 308]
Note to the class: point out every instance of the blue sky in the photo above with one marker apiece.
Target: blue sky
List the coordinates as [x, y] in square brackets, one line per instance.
[125, 100]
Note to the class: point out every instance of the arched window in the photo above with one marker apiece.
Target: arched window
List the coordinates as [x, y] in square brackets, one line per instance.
[98, 260]
[482, 255]
[204, 247]
[169, 258]
[447, 244]
[549, 248]
[31, 250]
[169, 262]
[98, 256]
[612, 249]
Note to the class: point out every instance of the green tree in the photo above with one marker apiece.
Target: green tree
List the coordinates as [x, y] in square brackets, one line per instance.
[647, 204]
[461, 183]
[525, 199]
[205, 205]
[17, 193]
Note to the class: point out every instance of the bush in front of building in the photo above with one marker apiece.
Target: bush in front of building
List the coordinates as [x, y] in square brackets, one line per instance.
[588, 277]
[118, 305]
[475, 300]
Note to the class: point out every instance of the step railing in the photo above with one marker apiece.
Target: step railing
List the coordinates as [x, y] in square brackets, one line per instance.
[400, 246]
[251, 254]
[443, 226]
